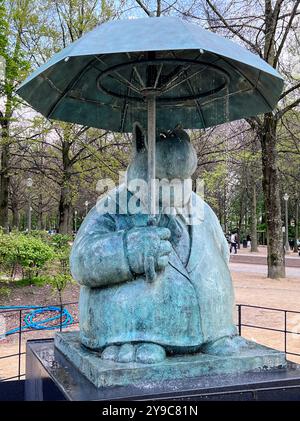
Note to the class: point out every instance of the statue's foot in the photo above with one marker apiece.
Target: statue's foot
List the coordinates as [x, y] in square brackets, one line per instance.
[228, 345]
[146, 353]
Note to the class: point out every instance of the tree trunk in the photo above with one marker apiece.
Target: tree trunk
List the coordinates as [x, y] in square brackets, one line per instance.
[296, 226]
[65, 203]
[65, 212]
[220, 211]
[225, 210]
[40, 214]
[15, 217]
[276, 264]
[242, 211]
[253, 218]
[4, 176]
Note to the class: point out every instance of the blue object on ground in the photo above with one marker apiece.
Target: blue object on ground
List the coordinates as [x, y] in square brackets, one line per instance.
[41, 324]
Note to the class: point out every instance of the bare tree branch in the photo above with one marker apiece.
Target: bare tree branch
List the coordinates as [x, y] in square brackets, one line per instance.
[141, 4]
[271, 20]
[288, 91]
[287, 108]
[287, 29]
[231, 28]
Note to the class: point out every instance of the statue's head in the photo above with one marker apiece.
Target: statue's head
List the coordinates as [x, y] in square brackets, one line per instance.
[176, 158]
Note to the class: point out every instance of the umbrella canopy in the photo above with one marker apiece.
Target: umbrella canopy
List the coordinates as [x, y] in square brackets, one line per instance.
[199, 78]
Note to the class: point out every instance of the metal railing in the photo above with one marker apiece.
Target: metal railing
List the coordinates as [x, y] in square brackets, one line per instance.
[284, 331]
[18, 315]
[241, 324]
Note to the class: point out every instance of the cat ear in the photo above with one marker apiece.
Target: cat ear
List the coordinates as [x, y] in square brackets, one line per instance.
[180, 133]
[138, 138]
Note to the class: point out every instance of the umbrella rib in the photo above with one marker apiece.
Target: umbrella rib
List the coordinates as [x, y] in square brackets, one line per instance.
[101, 61]
[179, 74]
[182, 71]
[197, 104]
[184, 80]
[52, 85]
[166, 85]
[91, 101]
[229, 95]
[158, 75]
[139, 77]
[123, 117]
[125, 108]
[125, 81]
[249, 80]
[69, 87]
[137, 73]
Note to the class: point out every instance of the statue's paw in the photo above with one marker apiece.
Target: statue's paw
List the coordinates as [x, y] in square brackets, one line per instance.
[145, 353]
[229, 345]
[150, 353]
[123, 354]
[110, 353]
[126, 353]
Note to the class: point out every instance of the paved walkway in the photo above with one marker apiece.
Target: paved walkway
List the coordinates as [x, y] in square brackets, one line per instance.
[261, 269]
[260, 258]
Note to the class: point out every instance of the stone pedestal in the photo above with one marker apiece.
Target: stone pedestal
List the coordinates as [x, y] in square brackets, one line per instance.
[108, 373]
[52, 376]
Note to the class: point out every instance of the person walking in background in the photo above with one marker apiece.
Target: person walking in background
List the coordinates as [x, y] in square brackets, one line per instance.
[248, 240]
[233, 242]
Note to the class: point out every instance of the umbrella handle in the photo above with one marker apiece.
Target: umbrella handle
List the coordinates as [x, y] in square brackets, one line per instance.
[151, 109]
[150, 269]
[152, 221]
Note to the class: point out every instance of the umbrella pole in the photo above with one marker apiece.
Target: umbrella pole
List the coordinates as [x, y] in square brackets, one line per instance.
[151, 108]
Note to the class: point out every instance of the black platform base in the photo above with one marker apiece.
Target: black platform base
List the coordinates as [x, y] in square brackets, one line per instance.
[50, 376]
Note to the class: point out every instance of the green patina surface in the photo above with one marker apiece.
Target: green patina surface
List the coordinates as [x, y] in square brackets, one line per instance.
[189, 303]
[151, 290]
[66, 88]
[107, 373]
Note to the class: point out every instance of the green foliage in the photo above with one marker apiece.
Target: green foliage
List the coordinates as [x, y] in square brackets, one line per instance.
[5, 292]
[262, 227]
[60, 281]
[214, 182]
[32, 254]
[3, 28]
[17, 67]
[7, 251]
[38, 281]
[61, 241]
[41, 234]
[27, 252]
[61, 244]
